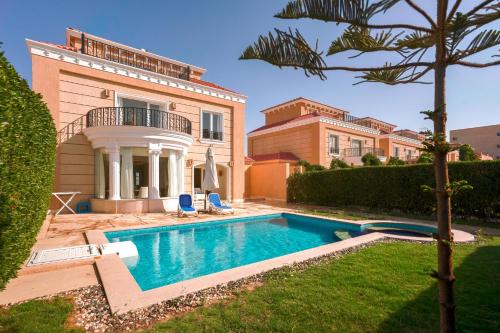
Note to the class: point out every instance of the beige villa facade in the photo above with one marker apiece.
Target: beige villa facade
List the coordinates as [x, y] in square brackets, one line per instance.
[318, 133]
[134, 127]
[484, 139]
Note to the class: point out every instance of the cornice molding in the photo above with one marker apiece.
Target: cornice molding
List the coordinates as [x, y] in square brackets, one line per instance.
[403, 139]
[349, 125]
[53, 52]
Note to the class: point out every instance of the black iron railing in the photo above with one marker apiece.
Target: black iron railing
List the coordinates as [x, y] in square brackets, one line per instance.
[113, 53]
[357, 152]
[132, 116]
[212, 135]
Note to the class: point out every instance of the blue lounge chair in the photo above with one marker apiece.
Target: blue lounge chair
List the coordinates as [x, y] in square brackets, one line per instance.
[186, 206]
[216, 206]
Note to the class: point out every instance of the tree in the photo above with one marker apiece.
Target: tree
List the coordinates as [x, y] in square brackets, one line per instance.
[425, 158]
[446, 39]
[395, 161]
[338, 164]
[369, 159]
[466, 153]
[310, 167]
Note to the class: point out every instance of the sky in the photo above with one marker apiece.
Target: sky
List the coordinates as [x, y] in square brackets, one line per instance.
[212, 34]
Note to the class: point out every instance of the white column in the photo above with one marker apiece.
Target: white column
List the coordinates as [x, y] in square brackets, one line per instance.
[154, 171]
[172, 174]
[114, 172]
[180, 171]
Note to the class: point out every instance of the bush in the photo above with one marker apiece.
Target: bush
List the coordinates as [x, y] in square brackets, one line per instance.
[400, 188]
[425, 158]
[369, 159]
[310, 167]
[466, 153]
[27, 161]
[395, 161]
[338, 164]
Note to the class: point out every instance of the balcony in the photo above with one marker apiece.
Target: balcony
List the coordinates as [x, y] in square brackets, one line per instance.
[113, 53]
[132, 116]
[359, 152]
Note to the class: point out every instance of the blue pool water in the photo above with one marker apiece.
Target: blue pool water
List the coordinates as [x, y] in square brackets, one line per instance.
[175, 253]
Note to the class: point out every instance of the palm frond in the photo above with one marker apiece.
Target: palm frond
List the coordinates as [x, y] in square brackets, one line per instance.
[485, 15]
[394, 76]
[287, 49]
[416, 40]
[484, 40]
[339, 11]
[360, 39]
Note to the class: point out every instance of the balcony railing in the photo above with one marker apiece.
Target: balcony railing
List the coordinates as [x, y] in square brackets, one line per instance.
[357, 152]
[132, 116]
[113, 53]
[212, 135]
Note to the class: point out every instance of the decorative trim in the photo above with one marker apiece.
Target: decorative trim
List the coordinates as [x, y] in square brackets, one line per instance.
[403, 139]
[352, 126]
[53, 52]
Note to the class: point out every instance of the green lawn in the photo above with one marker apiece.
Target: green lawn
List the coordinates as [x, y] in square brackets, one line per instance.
[383, 288]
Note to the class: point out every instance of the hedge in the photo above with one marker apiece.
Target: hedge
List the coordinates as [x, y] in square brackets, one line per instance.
[27, 162]
[399, 188]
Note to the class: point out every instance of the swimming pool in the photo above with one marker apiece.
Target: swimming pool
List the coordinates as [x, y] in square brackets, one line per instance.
[171, 254]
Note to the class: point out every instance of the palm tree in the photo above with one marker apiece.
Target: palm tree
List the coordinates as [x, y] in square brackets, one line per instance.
[447, 39]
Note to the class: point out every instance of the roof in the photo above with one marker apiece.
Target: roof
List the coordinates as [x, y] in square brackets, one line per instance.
[286, 156]
[249, 159]
[279, 123]
[197, 81]
[292, 101]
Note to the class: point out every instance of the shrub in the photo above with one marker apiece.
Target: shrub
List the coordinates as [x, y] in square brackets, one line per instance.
[27, 161]
[425, 158]
[369, 159]
[310, 167]
[395, 161]
[466, 153]
[400, 188]
[338, 164]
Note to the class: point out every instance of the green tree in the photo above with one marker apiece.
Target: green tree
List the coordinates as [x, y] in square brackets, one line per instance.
[425, 158]
[369, 159]
[446, 39]
[27, 162]
[395, 161]
[466, 153]
[338, 164]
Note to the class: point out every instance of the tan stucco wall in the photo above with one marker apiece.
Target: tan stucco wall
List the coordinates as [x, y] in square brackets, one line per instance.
[268, 180]
[298, 141]
[70, 91]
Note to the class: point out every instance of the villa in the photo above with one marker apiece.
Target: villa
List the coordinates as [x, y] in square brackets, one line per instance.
[134, 127]
[315, 132]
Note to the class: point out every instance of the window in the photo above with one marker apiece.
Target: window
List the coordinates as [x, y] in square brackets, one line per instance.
[211, 126]
[395, 152]
[140, 113]
[333, 144]
[409, 154]
[356, 147]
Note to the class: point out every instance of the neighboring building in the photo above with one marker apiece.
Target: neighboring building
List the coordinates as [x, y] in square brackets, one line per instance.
[484, 139]
[317, 133]
[133, 126]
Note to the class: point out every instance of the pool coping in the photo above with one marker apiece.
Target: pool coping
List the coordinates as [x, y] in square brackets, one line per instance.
[124, 294]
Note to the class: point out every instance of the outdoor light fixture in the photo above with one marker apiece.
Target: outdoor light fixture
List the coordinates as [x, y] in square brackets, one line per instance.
[173, 106]
[105, 93]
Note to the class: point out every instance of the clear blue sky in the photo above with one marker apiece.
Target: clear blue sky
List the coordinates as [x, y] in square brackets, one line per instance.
[212, 34]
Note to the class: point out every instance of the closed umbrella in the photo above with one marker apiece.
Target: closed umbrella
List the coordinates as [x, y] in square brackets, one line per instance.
[210, 181]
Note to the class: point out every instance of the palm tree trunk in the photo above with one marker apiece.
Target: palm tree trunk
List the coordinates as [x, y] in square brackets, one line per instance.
[445, 274]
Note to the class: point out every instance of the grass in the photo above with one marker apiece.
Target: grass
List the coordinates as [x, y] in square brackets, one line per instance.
[383, 288]
[47, 316]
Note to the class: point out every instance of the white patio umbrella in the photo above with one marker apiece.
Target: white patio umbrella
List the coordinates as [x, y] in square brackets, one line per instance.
[210, 181]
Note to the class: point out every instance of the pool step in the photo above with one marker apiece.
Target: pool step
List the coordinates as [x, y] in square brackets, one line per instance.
[62, 254]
